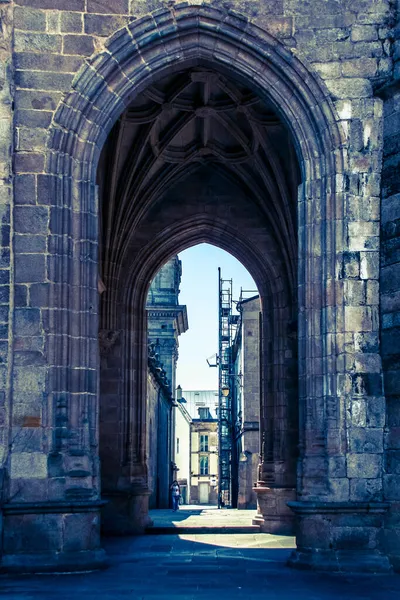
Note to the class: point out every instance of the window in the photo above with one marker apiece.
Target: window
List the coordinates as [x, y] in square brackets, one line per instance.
[177, 445]
[204, 413]
[203, 465]
[204, 443]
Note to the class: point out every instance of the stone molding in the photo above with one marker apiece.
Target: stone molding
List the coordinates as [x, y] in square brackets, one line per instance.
[38, 508]
[310, 508]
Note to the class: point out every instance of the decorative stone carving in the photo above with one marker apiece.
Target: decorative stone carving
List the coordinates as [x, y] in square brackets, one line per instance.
[107, 340]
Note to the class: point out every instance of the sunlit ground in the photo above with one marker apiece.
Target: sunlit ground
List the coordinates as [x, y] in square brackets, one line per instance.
[198, 566]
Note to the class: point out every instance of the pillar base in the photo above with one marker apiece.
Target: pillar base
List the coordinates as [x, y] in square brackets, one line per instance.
[89, 560]
[339, 536]
[126, 513]
[273, 514]
[42, 537]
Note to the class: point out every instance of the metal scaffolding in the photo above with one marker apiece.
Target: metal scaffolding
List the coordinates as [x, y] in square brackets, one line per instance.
[227, 329]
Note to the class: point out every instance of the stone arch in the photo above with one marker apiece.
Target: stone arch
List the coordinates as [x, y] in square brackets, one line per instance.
[133, 57]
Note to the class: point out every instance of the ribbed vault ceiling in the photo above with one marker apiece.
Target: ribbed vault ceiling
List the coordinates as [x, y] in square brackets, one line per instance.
[188, 121]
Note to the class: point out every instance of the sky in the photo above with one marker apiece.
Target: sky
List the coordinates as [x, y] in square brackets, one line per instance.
[199, 291]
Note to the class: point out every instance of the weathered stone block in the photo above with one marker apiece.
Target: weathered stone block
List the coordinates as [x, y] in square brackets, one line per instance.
[368, 363]
[367, 384]
[30, 268]
[26, 61]
[329, 70]
[365, 490]
[33, 534]
[29, 379]
[4, 258]
[28, 465]
[364, 33]
[32, 162]
[71, 22]
[29, 19]
[117, 6]
[315, 532]
[29, 358]
[27, 321]
[364, 466]
[391, 487]
[349, 88]
[351, 264]
[73, 5]
[359, 67]
[369, 265]
[38, 101]
[31, 219]
[33, 118]
[365, 440]
[44, 80]
[37, 42]
[30, 243]
[82, 45]
[103, 25]
[81, 532]
[355, 292]
[30, 139]
[20, 295]
[358, 318]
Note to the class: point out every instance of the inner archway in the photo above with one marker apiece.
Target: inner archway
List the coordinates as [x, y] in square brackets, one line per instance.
[198, 156]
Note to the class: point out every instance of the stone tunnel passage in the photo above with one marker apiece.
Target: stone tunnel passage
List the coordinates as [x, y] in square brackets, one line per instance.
[198, 156]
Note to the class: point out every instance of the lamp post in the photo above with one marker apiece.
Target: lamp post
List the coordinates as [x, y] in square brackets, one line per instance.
[225, 391]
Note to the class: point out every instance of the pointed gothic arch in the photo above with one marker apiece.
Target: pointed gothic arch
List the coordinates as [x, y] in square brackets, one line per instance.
[170, 40]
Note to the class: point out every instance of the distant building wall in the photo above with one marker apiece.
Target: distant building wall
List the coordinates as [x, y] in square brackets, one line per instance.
[159, 407]
[167, 320]
[247, 371]
[203, 486]
[182, 450]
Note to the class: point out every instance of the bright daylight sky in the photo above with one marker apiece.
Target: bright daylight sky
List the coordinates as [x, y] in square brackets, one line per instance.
[199, 291]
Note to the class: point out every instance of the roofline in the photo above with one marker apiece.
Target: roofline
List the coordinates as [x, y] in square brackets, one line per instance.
[249, 299]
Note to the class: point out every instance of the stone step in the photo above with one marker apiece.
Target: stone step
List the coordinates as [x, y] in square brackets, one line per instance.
[202, 529]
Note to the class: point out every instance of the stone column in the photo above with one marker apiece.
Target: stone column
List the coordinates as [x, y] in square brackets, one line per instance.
[6, 252]
[123, 423]
[276, 484]
[342, 408]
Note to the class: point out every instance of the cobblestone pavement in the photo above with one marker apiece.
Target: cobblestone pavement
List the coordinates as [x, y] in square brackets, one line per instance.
[194, 566]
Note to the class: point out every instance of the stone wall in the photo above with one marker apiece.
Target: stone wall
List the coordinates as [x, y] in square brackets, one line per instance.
[250, 409]
[158, 444]
[6, 258]
[390, 300]
[54, 453]
[349, 48]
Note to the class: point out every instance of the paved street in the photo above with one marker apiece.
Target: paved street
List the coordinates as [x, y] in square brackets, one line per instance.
[200, 566]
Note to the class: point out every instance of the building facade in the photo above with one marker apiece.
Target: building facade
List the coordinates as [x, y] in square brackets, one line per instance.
[202, 408]
[183, 422]
[132, 130]
[247, 401]
[166, 321]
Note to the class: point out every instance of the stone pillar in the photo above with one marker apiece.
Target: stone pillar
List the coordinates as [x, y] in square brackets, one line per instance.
[123, 424]
[340, 506]
[276, 484]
